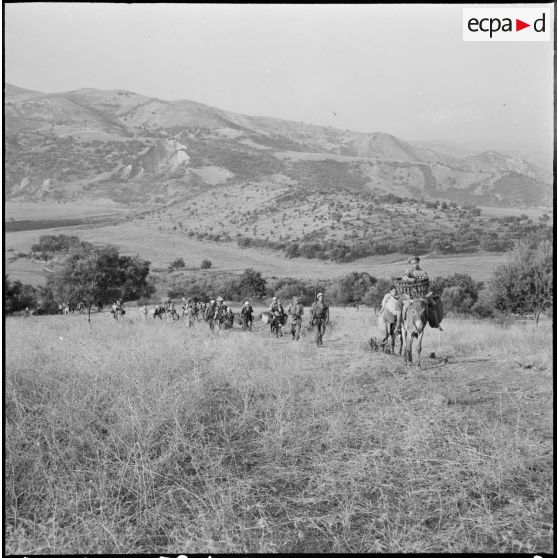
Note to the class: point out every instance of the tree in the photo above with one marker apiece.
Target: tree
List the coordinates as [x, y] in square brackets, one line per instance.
[376, 293]
[352, 287]
[252, 284]
[456, 299]
[177, 264]
[18, 296]
[206, 264]
[98, 275]
[523, 283]
[462, 299]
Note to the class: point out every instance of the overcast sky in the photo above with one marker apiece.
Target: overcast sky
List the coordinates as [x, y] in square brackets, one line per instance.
[401, 69]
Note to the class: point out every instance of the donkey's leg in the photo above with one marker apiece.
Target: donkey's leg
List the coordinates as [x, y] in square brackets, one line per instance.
[408, 341]
[419, 347]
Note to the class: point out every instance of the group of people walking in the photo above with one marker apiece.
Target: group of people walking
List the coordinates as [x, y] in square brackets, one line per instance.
[319, 316]
[217, 314]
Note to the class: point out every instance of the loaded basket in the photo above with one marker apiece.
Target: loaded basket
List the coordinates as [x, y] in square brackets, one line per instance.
[416, 289]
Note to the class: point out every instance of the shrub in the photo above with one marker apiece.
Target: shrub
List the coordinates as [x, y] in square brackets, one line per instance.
[482, 309]
[524, 282]
[206, 264]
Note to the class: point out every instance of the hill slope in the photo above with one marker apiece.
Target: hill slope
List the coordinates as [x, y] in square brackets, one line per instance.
[133, 148]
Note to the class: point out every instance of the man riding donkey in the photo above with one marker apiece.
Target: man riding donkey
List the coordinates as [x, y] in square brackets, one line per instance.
[413, 275]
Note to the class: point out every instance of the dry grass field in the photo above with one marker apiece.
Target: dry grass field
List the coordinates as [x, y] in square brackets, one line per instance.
[161, 248]
[151, 437]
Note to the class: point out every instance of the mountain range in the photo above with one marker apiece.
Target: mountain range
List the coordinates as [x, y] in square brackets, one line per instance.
[149, 152]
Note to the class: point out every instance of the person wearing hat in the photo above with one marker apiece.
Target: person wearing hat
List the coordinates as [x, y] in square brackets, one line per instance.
[319, 316]
[277, 308]
[246, 316]
[295, 310]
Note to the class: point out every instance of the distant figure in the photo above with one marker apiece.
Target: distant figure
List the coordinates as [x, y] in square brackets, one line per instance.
[229, 318]
[220, 310]
[390, 304]
[295, 310]
[246, 316]
[276, 308]
[319, 318]
[144, 311]
[209, 315]
[413, 273]
[434, 304]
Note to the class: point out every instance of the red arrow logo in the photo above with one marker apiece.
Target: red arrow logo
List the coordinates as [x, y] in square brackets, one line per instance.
[519, 25]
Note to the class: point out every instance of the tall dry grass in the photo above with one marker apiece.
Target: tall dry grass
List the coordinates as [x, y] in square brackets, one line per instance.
[152, 437]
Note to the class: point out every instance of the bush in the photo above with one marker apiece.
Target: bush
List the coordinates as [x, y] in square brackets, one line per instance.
[206, 264]
[523, 284]
[482, 309]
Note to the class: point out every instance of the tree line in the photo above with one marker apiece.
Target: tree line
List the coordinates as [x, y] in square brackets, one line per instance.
[98, 275]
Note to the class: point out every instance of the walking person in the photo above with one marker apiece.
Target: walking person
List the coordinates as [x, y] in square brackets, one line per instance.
[246, 316]
[143, 312]
[276, 309]
[319, 317]
[295, 310]
[210, 314]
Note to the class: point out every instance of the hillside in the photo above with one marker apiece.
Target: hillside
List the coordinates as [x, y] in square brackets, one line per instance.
[140, 150]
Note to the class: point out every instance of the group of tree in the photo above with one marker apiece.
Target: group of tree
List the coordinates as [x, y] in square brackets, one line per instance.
[524, 283]
[51, 244]
[97, 275]
[91, 275]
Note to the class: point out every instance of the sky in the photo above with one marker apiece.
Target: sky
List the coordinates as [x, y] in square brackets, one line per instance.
[402, 69]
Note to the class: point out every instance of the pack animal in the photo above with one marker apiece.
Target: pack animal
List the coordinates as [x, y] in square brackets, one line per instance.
[386, 326]
[412, 327]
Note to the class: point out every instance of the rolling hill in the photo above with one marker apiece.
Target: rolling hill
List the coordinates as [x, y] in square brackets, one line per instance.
[147, 152]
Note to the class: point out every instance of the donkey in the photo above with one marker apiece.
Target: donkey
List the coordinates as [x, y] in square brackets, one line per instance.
[412, 326]
[386, 326]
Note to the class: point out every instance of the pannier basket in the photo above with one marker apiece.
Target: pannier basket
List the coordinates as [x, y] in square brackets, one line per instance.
[417, 289]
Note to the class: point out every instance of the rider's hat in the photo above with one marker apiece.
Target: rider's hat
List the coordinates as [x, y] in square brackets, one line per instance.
[246, 303]
[274, 298]
[219, 299]
[319, 294]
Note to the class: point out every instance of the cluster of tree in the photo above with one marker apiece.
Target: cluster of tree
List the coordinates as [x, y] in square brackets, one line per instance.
[92, 275]
[236, 287]
[97, 275]
[524, 283]
[51, 244]
[19, 296]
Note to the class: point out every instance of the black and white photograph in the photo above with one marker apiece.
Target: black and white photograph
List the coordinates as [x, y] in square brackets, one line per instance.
[278, 278]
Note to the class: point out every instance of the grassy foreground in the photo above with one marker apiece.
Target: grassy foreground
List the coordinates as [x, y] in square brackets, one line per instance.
[150, 437]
